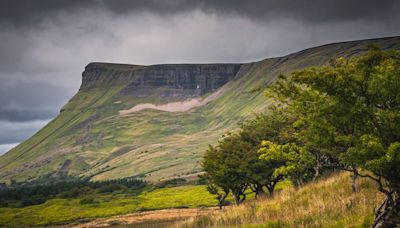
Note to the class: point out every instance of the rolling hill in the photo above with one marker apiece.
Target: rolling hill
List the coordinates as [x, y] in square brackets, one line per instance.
[155, 122]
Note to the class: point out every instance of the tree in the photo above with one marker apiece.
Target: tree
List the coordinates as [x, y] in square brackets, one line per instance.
[289, 160]
[220, 192]
[350, 111]
[234, 164]
[260, 173]
[297, 162]
[225, 168]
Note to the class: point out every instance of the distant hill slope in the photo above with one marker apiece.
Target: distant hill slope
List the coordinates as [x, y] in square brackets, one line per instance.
[93, 137]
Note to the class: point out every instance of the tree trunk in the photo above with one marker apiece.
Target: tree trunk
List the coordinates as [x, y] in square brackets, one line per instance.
[353, 182]
[239, 197]
[271, 186]
[271, 191]
[244, 197]
[236, 196]
[221, 200]
[388, 214]
[317, 169]
[259, 191]
[354, 179]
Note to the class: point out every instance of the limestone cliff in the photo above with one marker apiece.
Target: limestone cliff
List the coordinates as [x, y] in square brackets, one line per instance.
[167, 80]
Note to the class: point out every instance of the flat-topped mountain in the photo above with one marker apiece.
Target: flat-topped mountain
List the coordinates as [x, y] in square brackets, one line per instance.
[155, 122]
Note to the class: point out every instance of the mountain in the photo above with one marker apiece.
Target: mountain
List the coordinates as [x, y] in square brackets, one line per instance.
[155, 122]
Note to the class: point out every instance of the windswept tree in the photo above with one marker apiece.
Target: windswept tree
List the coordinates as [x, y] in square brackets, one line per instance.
[297, 163]
[261, 173]
[225, 167]
[279, 140]
[234, 165]
[350, 111]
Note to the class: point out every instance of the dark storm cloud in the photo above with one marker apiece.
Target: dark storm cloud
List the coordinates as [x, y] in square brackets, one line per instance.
[28, 101]
[14, 132]
[45, 44]
[27, 12]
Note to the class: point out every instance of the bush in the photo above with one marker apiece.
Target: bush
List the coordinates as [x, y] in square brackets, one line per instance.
[88, 200]
[111, 188]
[33, 201]
[75, 192]
[172, 183]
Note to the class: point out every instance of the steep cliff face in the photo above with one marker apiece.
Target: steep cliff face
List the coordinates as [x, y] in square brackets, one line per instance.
[167, 80]
[100, 75]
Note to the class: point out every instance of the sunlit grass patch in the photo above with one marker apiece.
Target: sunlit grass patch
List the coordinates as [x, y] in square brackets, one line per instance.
[326, 203]
[59, 211]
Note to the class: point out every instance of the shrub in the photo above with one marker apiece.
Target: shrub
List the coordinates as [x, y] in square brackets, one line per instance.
[75, 192]
[111, 188]
[88, 200]
[33, 201]
[172, 183]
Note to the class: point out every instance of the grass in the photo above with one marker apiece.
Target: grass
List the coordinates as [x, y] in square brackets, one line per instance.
[178, 197]
[326, 203]
[59, 211]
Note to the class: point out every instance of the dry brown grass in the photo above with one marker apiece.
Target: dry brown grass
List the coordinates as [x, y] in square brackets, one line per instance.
[146, 219]
[326, 203]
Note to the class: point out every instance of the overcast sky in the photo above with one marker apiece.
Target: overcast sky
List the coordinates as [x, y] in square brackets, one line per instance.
[45, 44]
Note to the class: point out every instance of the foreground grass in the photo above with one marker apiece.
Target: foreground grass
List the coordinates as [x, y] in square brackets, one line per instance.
[327, 203]
[59, 211]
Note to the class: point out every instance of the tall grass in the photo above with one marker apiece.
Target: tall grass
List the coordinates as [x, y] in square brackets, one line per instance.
[326, 203]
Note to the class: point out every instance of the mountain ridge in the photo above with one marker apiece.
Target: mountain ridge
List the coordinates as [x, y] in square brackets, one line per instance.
[90, 139]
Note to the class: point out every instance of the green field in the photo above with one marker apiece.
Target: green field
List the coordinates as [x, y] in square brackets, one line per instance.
[59, 211]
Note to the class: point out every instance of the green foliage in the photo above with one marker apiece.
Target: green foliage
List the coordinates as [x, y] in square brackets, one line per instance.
[76, 192]
[296, 161]
[88, 200]
[172, 183]
[350, 112]
[225, 165]
[32, 200]
[37, 193]
[111, 188]
[234, 164]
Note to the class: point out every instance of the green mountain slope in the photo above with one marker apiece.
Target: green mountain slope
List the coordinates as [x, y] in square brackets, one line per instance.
[91, 138]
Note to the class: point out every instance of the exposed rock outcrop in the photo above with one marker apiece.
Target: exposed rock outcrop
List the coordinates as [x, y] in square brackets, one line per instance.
[166, 80]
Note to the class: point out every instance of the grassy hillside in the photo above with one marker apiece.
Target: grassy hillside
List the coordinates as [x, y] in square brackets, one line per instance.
[90, 139]
[326, 203]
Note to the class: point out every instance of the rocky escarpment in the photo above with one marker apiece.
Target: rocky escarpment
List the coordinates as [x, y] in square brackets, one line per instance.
[100, 75]
[166, 80]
